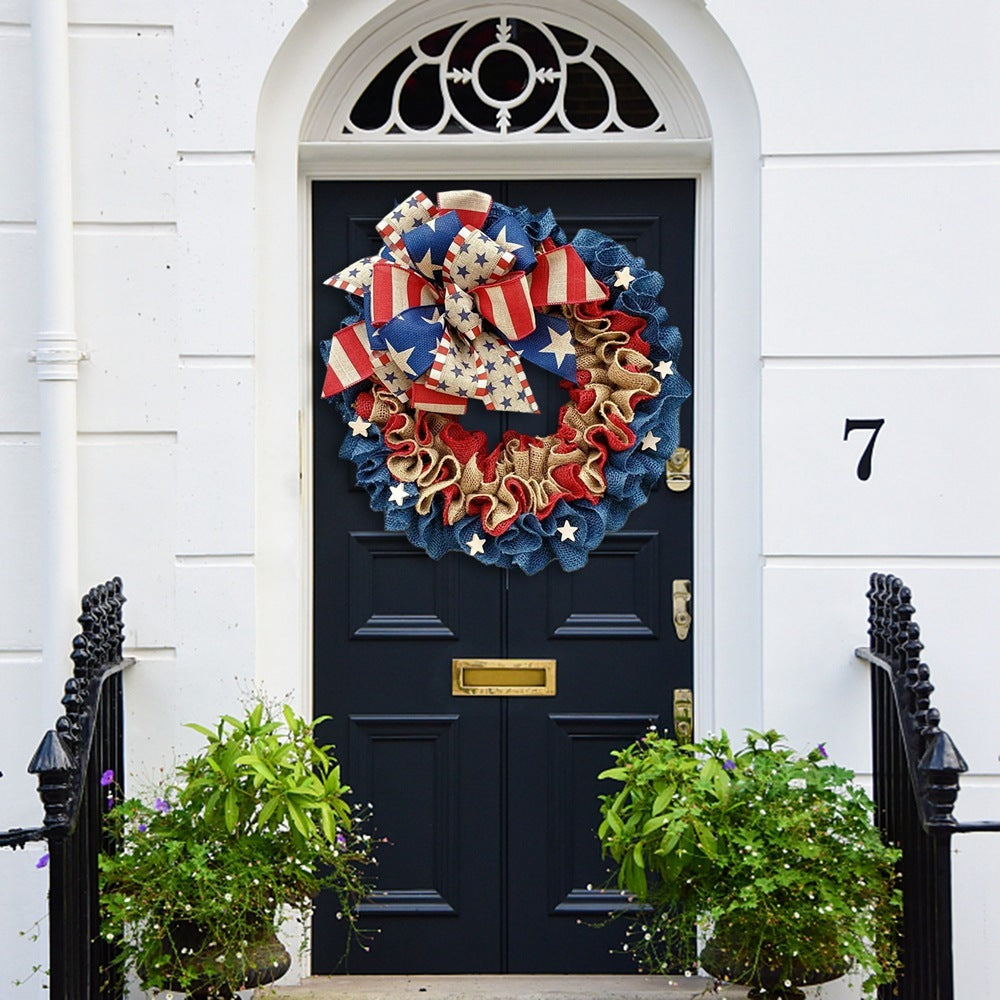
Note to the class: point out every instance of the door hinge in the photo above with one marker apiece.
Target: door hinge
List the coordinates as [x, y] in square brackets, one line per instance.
[682, 608]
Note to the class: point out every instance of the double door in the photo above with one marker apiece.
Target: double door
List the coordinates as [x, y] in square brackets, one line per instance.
[489, 804]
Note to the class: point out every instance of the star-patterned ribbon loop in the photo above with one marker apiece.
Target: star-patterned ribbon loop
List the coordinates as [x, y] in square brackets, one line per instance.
[454, 302]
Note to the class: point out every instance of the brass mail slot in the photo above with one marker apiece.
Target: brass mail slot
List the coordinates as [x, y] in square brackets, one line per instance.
[499, 678]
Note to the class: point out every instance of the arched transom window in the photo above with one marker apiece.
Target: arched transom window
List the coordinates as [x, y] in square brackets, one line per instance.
[506, 75]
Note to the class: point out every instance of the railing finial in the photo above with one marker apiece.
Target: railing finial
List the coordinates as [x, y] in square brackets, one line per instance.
[940, 766]
[53, 763]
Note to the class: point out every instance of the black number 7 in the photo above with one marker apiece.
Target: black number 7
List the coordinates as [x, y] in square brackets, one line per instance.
[865, 464]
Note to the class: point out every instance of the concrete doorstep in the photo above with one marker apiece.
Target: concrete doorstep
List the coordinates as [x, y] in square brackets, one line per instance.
[504, 988]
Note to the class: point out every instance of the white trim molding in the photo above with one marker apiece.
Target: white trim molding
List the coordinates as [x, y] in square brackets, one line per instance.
[336, 45]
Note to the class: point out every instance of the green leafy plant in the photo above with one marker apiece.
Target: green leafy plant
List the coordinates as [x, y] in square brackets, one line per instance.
[254, 826]
[771, 854]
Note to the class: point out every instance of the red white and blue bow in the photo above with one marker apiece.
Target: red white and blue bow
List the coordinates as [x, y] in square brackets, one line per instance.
[452, 304]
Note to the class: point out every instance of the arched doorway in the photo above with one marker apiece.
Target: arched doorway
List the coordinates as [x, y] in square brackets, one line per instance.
[724, 439]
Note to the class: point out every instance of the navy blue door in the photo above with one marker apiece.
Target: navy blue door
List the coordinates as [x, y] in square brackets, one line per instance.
[490, 804]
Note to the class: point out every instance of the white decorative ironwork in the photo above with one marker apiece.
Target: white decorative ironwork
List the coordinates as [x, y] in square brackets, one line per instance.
[532, 77]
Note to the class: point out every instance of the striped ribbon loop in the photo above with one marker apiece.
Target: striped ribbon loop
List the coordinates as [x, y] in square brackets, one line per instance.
[453, 303]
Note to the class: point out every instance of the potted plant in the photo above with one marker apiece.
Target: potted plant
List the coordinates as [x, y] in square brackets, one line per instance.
[769, 855]
[253, 827]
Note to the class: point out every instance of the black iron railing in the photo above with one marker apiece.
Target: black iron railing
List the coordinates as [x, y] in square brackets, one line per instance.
[86, 743]
[916, 771]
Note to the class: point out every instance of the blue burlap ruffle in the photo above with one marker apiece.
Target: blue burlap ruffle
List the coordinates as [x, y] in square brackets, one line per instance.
[530, 543]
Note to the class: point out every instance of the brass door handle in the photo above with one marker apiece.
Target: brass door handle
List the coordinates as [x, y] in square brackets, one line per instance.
[683, 715]
[679, 470]
[682, 608]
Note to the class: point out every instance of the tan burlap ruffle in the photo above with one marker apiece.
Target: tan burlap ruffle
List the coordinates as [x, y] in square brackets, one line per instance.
[595, 417]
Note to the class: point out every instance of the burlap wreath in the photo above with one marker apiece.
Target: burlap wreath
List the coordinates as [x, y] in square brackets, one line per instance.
[531, 500]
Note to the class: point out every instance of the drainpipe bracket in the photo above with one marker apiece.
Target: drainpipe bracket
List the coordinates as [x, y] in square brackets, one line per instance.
[57, 356]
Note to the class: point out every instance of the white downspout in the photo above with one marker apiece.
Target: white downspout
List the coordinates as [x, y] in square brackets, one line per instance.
[57, 353]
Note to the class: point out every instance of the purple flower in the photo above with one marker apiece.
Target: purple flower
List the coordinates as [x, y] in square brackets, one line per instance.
[822, 750]
[107, 778]
[142, 828]
[43, 860]
[729, 765]
[111, 801]
[341, 839]
[161, 805]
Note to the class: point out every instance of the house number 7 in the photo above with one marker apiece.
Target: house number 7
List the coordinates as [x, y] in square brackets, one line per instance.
[865, 464]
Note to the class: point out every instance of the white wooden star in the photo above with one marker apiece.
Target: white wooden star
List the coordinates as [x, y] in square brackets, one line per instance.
[560, 344]
[664, 368]
[567, 531]
[476, 545]
[624, 278]
[650, 441]
[397, 494]
[359, 426]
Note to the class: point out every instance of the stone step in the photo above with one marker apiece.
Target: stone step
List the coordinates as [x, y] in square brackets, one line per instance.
[503, 988]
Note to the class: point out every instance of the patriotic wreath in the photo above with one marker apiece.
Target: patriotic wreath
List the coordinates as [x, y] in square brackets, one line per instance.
[464, 290]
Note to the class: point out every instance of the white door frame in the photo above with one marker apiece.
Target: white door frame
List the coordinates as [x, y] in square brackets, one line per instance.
[726, 445]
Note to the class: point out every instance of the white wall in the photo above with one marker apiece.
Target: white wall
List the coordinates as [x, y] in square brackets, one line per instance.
[164, 99]
[880, 171]
[881, 203]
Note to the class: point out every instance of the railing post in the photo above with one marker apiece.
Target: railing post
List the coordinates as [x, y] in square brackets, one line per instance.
[916, 779]
[87, 741]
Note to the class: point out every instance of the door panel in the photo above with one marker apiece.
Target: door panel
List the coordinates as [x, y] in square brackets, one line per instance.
[490, 804]
[410, 763]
